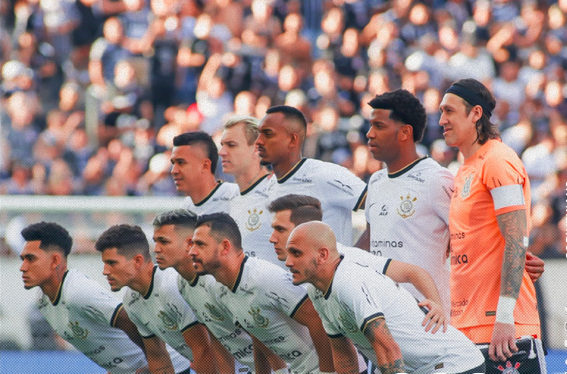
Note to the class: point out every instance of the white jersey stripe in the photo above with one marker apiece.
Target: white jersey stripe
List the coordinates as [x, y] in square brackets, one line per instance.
[506, 196]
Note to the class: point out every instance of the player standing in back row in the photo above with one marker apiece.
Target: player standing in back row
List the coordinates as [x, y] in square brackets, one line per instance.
[282, 134]
[493, 298]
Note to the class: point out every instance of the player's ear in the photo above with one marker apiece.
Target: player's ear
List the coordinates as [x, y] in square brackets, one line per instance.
[406, 132]
[226, 246]
[206, 165]
[56, 259]
[323, 254]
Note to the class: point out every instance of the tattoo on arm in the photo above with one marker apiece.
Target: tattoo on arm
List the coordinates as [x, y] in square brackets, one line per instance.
[394, 367]
[378, 330]
[513, 227]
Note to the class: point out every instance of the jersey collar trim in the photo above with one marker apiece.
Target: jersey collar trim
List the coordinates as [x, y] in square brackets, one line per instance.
[149, 293]
[293, 170]
[253, 185]
[58, 296]
[193, 283]
[209, 195]
[407, 168]
[239, 278]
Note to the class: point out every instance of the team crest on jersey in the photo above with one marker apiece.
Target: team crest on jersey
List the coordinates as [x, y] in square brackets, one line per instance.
[253, 222]
[78, 331]
[406, 208]
[347, 324]
[509, 369]
[259, 319]
[466, 191]
[214, 313]
[167, 321]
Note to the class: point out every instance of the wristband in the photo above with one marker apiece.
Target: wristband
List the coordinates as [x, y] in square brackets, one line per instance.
[505, 310]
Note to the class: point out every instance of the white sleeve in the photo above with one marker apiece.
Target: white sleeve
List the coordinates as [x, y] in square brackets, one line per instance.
[95, 302]
[441, 191]
[361, 295]
[176, 304]
[281, 293]
[342, 188]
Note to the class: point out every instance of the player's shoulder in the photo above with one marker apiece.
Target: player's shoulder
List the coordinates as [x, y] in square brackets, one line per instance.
[228, 189]
[494, 150]
[377, 176]
[263, 273]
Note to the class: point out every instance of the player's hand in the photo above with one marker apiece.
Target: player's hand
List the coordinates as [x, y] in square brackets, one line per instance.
[503, 343]
[435, 318]
[144, 370]
[534, 266]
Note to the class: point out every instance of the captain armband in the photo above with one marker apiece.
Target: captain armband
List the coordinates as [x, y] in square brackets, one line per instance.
[505, 310]
[508, 196]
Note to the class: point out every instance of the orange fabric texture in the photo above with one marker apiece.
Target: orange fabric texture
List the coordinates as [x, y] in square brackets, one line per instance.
[477, 246]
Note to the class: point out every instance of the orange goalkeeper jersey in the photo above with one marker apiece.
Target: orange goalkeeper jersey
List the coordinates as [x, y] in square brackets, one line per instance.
[491, 182]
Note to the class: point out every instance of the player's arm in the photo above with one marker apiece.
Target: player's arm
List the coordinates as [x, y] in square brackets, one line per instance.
[513, 227]
[387, 351]
[534, 266]
[344, 355]
[307, 316]
[158, 358]
[225, 361]
[123, 322]
[265, 360]
[197, 338]
[402, 272]
[364, 240]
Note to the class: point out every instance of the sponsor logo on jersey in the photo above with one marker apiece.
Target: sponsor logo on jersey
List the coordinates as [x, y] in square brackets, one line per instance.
[167, 321]
[243, 352]
[383, 210]
[135, 297]
[302, 179]
[466, 191]
[377, 178]
[259, 319]
[214, 313]
[509, 369]
[341, 186]
[406, 208]
[78, 331]
[386, 243]
[459, 259]
[253, 221]
[416, 177]
[347, 324]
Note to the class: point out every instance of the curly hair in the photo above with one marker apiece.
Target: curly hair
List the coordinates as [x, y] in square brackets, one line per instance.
[49, 234]
[405, 108]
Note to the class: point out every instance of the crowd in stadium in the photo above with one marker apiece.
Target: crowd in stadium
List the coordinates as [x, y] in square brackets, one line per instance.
[93, 91]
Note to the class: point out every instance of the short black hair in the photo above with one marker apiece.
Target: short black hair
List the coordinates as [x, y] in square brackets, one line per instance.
[202, 139]
[290, 113]
[405, 108]
[129, 240]
[303, 208]
[222, 226]
[49, 234]
[178, 217]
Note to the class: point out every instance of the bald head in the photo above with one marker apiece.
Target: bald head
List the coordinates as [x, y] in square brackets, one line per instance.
[312, 253]
[314, 235]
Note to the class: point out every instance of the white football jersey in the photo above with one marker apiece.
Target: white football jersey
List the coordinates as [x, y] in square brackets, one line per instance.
[408, 215]
[359, 294]
[340, 192]
[162, 312]
[263, 301]
[218, 199]
[250, 211]
[84, 314]
[201, 297]
[378, 263]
